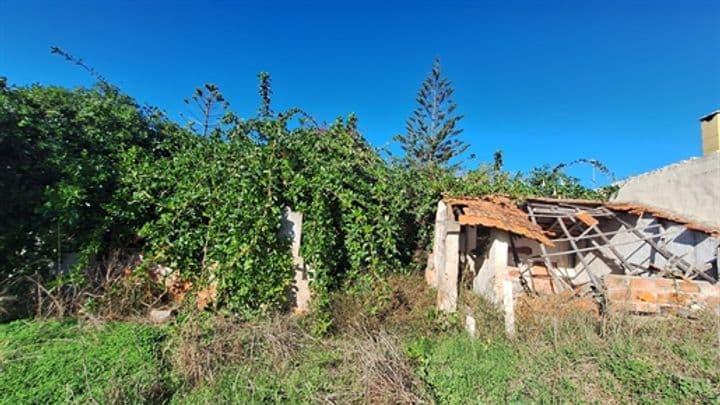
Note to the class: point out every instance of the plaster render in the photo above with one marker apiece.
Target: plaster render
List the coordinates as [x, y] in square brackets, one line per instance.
[690, 189]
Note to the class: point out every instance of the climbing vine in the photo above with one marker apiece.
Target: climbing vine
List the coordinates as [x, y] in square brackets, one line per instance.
[92, 170]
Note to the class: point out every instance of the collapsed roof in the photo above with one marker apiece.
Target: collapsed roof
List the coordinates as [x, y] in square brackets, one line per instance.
[575, 222]
[500, 212]
[497, 212]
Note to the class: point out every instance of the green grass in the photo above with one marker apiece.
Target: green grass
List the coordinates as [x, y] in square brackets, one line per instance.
[459, 369]
[429, 358]
[63, 362]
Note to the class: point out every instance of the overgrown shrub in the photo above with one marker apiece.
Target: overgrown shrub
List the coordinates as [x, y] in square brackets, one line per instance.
[61, 150]
[214, 213]
[92, 171]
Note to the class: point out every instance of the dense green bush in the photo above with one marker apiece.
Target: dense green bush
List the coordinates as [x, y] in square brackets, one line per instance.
[90, 170]
[214, 213]
[61, 151]
[63, 362]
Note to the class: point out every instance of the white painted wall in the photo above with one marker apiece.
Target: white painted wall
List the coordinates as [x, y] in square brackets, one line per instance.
[690, 188]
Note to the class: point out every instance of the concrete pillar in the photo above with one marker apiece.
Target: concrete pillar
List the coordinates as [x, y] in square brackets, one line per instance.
[448, 281]
[292, 229]
[470, 325]
[490, 278]
[470, 245]
[437, 258]
[509, 308]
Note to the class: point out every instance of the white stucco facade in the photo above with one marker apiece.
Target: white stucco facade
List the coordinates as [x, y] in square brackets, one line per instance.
[690, 188]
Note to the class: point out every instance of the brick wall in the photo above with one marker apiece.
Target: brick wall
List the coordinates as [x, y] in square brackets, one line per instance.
[660, 295]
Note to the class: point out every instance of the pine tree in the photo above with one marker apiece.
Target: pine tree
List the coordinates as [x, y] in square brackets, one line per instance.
[430, 133]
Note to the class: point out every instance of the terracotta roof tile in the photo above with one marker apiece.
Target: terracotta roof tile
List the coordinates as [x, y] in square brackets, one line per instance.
[497, 212]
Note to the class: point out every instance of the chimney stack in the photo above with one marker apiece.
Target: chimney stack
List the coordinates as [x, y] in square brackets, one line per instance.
[710, 125]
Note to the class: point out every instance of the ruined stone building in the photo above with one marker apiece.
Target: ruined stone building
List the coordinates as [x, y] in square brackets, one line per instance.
[653, 249]
[641, 258]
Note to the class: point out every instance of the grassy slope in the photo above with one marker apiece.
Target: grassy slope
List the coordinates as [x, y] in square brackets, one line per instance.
[404, 352]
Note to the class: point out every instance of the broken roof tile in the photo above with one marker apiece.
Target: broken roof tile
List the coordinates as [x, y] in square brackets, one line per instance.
[497, 212]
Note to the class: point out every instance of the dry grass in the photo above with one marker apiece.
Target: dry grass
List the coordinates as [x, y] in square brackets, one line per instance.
[202, 347]
[390, 346]
[398, 303]
[109, 291]
[205, 345]
[556, 316]
[281, 337]
[383, 374]
[619, 357]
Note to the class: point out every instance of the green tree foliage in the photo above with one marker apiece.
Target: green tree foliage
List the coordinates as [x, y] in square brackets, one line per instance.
[556, 183]
[431, 133]
[209, 104]
[61, 151]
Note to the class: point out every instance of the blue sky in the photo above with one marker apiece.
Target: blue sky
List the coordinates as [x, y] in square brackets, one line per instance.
[547, 82]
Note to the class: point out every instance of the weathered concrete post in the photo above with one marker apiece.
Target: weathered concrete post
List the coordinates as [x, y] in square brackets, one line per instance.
[509, 308]
[292, 230]
[448, 284]
[437, 259]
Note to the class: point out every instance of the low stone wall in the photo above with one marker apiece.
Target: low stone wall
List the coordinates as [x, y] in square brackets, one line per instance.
[660, 295]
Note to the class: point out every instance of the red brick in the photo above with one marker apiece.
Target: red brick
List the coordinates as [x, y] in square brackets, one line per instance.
[539, 271]
[712, 301]
[665, 282]
[543, 286]
[642, 283]
[615, 281]
[709, 289]
[645, 307]
[643, 296]
[672, 298]
[637, 307]
[687, 286]
[619, 294]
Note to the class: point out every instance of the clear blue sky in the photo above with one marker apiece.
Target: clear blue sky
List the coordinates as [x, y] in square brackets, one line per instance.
[547, 82]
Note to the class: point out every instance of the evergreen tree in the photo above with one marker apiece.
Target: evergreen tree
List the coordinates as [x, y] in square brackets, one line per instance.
[430, 133]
